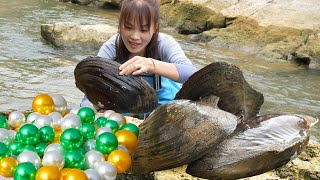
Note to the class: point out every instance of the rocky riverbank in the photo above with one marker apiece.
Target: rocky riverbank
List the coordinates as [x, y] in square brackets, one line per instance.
[269, 29]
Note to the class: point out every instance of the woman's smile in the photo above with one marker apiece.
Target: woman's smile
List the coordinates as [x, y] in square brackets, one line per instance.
[134, 44]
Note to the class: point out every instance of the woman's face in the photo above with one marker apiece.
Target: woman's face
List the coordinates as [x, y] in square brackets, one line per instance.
[136, 36]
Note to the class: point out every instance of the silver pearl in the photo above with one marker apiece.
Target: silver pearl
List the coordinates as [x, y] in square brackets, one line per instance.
[43, 120]
[70, 121]
[93, 174]
[29, 156]
[16, 119]
[106, 170]
[107, 113]
[54, 147]
[4, 135]
[90, 144]
[92, 157]
[32, 117]
[56, 119]
[60, 104]
[53, 158]
[103, 130]
[119, 118]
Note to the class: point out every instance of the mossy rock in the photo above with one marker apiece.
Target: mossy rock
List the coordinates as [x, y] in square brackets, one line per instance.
[266, 42]
[188, 18]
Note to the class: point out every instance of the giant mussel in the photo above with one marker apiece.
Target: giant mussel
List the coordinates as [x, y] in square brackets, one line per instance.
[212, 125]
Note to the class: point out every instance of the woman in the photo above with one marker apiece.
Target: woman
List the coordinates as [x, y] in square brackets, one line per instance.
[142, 50]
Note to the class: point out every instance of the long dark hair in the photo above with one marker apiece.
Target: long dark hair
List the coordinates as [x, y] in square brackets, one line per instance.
[139, 10]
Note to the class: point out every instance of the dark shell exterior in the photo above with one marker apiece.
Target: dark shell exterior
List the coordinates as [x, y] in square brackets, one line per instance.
[227, 82]
[99, 79]
[178, 133]
[257, 146]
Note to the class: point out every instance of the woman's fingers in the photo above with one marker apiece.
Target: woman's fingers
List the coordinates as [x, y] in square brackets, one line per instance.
[128, 69]
[134, 66]
[138, 72]
[127, 63]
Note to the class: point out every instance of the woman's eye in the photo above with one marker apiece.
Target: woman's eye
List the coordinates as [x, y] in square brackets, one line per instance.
[144, 30]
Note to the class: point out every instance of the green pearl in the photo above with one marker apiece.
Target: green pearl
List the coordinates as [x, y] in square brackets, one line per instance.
[25, 171]
[106, 142]
[71, 139]
[131, 127]
[101, 121]
[18, 137]
[86, 115]
[112, 125]
[28, 134]
[74, 159]
[3, 122]
[15, 148]
[3, 150]
[28, 148]
[46, 134]
[40, 147]
[88, 131]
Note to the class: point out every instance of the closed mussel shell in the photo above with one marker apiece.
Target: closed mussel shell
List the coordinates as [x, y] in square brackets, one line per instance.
[179, 132]
[257, 146]
[99, 79]
[227, 82]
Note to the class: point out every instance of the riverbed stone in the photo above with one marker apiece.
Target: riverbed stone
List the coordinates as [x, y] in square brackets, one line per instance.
[265, 42]
[68, 34]
[311, 51]
[189, 18]
[299, 14]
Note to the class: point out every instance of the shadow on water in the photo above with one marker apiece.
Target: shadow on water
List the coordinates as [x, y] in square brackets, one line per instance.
[29, 66]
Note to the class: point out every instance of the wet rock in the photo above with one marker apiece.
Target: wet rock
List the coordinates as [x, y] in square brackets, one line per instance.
[310, 51]
[299, 14]
[267, 43]
[306, 166]
[67, 34]
[96, 3]
[188, 18]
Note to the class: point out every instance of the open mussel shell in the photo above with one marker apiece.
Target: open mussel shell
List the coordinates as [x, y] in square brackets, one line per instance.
[179, 132]
[257, 146]
[227, 82]
[99, 79]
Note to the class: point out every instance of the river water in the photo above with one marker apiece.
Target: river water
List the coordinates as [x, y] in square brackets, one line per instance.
[30, 66]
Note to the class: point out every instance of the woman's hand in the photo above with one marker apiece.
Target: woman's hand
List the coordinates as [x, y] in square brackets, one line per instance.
[138, 65]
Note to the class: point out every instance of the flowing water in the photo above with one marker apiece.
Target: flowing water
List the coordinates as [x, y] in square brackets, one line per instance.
[30, 66]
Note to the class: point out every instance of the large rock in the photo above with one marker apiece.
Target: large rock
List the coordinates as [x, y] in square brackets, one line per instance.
[310, 51]
[266, 42]
[252, 26]
[97, 3]
[66, 34]
[300, 14]
[188, 18]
